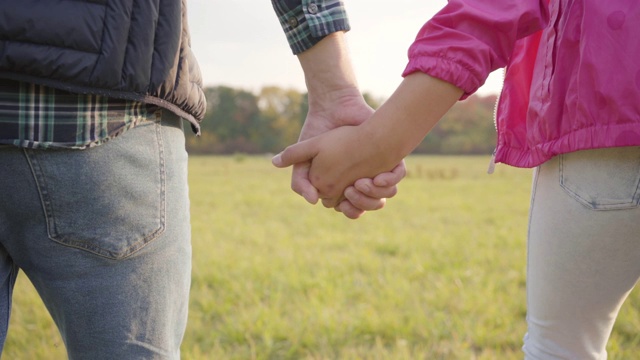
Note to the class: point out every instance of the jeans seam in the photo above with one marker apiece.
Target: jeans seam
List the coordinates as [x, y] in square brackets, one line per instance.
[163, 175]
[534, 188]
[636, 195]
[13, 275]
[41, 186]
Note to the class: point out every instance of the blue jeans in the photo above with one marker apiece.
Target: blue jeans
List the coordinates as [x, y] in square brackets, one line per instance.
[104, 236]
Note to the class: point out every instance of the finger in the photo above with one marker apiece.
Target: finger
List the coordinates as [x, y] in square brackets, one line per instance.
[367, 188]
[300, 182]
[363, 202]
[296, 153]
[350, 211]
[331, 202]
[391, 178]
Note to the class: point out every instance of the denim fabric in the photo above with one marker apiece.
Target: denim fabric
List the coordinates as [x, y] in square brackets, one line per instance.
[583, 251]
[104, 236]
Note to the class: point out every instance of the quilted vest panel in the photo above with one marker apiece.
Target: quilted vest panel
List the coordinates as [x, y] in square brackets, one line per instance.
[133, 49]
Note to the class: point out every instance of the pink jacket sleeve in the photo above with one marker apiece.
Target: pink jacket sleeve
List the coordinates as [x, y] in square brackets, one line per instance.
[468, 39]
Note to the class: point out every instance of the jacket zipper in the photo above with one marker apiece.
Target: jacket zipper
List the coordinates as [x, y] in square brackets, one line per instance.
[492, 162]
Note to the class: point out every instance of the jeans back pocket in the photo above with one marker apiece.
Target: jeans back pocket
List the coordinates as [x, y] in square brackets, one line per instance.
[108, 200]
[602, 179]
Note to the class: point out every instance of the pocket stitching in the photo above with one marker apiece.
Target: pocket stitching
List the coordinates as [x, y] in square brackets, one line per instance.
[626, 205]
[49, 212]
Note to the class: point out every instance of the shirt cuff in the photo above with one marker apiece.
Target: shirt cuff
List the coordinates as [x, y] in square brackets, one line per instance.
[306, 22]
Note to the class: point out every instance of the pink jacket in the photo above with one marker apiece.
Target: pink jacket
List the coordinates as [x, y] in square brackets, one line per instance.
[574, 85]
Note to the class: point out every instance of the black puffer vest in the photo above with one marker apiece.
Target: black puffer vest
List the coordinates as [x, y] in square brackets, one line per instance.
[131, 49]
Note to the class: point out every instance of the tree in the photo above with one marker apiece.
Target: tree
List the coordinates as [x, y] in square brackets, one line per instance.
[467, 128]
[285, 111]
[241, 121]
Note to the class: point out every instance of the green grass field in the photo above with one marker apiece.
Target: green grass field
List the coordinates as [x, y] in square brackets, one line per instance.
[438, 274]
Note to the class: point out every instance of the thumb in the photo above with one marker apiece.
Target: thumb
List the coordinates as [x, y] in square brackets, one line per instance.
[296, 153]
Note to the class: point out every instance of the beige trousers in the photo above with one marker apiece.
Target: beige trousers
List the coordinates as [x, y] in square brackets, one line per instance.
[583, 251]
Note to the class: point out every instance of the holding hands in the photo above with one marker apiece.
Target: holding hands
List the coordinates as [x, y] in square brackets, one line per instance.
[367, 154]
[343, 163]
[347, 155]
[335, 101]
[344, 109]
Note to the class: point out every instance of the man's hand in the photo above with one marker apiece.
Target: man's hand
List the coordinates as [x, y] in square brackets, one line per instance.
[335, 101]
[339, 108]
[366, 194]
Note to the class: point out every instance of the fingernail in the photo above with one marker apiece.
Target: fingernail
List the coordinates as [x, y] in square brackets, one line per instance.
[309, 198]
[277, 160]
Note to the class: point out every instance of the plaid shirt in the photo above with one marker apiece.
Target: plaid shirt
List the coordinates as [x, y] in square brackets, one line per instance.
[35, 116]
[306, 22]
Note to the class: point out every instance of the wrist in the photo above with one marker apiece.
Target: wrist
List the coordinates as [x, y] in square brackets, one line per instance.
[342, 106]
[328, 71]
[383, 142]
[403, 121]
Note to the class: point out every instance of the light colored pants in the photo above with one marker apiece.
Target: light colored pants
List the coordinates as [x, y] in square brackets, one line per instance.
[584, 251]
[104, 236]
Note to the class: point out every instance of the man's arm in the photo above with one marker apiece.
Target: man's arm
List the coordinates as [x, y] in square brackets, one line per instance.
[307, 22]
[336, 101]
[315, 31]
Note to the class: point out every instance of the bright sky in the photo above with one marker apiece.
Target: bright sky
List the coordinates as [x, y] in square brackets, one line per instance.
[240, 43]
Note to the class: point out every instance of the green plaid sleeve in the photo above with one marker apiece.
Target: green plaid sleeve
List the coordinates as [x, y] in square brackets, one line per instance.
[306, 22]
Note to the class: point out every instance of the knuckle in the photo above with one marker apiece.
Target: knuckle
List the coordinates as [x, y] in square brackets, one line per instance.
[327, 203]
[354, 214]
[402, 172]
[354, 196]
[296, 187]
[299, 188]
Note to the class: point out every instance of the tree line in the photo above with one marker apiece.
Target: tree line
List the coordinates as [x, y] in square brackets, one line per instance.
[241, 121]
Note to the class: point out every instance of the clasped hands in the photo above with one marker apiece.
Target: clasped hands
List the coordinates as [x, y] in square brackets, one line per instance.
[337, 161]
